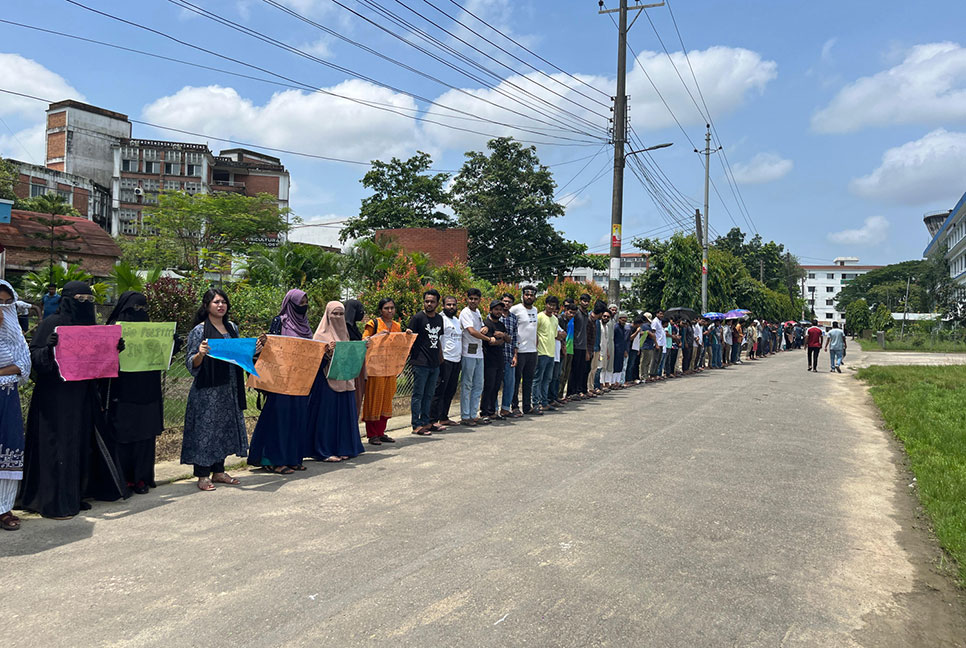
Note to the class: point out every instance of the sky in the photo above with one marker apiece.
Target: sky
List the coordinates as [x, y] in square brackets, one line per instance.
[842, 123]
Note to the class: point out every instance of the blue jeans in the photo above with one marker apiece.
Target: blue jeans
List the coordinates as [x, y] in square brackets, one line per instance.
[424, 387]
[660, 367]
[715, 355]
[835, 357]
[555, 381]
[471, 387]
[735, 353]
[509, 373]
[541, 380]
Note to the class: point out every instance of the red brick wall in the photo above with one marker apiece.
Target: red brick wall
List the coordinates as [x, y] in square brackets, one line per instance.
[259, 184]
[441, 245]
[56, 146]
[56, 120]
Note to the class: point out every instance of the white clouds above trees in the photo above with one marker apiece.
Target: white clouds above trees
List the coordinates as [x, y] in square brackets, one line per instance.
[763, 167]
[874, 231]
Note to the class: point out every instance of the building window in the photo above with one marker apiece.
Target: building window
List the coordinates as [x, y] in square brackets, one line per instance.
[151, 185]
[129, 183]
[193, 170]
[830, 275]
[37, 190]
[811, 289]
[829, 289]
[150, 154]
[830, 316]
[829, 302]
[129, 165]
[193, 158]
[152, 167]
[127, 196]
[811, 275]
[172, 168]
[172, 185]
[130, 221]
[192, 187]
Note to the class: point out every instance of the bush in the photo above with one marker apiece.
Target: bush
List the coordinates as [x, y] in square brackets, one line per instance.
[254, 307]
[401, 284]
[173, 300]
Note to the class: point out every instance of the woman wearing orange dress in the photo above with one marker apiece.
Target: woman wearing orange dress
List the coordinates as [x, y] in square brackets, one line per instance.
[377, 405]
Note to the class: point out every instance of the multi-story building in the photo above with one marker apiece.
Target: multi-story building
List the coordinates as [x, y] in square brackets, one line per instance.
[822, 284]
[632, 265]
[96, 143]
[90, 199]
[948, 231]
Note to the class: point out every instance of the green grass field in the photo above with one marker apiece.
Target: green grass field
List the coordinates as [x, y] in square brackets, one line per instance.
[925, 346]
[926, 408]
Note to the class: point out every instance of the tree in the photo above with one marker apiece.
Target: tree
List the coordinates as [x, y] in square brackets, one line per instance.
[777, 269]
[53, 241]
[293, 265]
[201, 230]
[9, 177]
[928, 287]
[505, 201]
[858, 317]
[404, 195]
[882, 318]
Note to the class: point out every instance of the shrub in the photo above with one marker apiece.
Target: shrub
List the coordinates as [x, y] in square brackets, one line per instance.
[172, 300]
[253, 307]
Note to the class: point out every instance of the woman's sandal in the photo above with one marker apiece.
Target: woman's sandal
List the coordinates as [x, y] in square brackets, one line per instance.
[278, 470]
[225, 479]
[299, 468]
[204, 483]
[9, 522]
[333, 459]
[423, 431]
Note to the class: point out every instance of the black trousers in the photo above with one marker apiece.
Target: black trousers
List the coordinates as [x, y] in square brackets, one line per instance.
[206, 471]
[492, 380]
[449, 380]
[813, 357]
[633, 371]
[686, 358]
[526, 367]
[577, 383]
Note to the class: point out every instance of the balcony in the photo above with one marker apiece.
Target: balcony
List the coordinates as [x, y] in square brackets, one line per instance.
[227, 185]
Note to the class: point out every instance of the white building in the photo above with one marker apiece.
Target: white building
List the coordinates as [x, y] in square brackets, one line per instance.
[948, 230]
[631, 265]
[823, 283]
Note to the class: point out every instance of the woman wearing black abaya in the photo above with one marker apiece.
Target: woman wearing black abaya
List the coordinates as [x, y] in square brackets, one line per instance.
[60, 421]
[354, 313]
[134, 409]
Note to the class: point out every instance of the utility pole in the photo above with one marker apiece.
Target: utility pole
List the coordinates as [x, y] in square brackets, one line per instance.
[761, 270]
[620, 136]
[905, 308]
[704, 247]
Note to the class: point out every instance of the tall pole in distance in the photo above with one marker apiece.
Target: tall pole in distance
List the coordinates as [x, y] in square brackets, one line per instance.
[704, 247]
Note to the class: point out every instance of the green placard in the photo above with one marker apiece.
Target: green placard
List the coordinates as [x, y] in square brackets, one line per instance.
[347, 360]
[147, 345]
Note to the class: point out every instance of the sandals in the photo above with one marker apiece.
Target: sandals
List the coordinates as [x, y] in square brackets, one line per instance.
[373, 441]
[225, 479]
[299, 468]
[334, 459]
[423, 430]
[278, 470]
[204, 484]
[9, 521]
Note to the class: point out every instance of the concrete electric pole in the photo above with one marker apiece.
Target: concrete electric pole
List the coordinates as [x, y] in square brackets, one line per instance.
[704, 247]
[620, 136]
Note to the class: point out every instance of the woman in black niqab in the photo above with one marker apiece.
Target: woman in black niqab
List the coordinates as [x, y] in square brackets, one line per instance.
[60, 421]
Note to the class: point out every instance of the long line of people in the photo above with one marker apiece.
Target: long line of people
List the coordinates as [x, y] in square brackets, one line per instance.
[95, 439]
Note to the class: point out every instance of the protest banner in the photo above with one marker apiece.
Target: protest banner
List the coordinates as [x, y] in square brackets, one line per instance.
[147, 345]
[87, 352]
[347, 360]
[388, 353]
[288, 365]
[237, 351]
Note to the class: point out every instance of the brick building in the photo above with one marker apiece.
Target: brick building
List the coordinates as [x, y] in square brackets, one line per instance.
[94, 249]
[440, 245]
[89, 198]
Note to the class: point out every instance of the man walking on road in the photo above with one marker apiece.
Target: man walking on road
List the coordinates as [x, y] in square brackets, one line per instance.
[813, 338]
[835, 344]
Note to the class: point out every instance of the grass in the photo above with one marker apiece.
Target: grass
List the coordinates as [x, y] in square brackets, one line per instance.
[924, 346]
[926, 408]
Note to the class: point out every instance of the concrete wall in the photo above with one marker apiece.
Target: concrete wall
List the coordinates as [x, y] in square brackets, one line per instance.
[82, 140]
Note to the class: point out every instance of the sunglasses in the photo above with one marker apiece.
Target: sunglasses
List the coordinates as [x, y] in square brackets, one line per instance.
[84, 298]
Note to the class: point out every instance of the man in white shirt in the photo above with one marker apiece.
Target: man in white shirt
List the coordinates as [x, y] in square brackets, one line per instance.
[660, 345]
[726, 343]
[526, 315]
[449, 371]
[471, 384]
[698, 344]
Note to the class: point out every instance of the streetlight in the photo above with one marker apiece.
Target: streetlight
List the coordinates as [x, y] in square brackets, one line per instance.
[614, 285]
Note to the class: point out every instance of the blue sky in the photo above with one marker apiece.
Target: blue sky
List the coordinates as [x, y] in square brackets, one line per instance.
[843, 122]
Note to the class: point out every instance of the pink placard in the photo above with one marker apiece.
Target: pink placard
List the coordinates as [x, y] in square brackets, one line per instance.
[87, 352]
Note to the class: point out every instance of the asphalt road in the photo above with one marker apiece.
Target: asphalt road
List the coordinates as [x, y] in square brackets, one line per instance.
[755, 506]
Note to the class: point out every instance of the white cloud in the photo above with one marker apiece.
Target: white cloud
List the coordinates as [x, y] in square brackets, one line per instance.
[920, 172]
[28, 145]
[24, 75]
[873, 231]
[303, 121]
[573, 201]
[764, 167]
[927, 87]
[827, 49]
[320, 48]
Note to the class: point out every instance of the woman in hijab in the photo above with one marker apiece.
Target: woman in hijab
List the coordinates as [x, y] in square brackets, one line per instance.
[377, 406]
[214, 420]
[14, 369]
[60, 421]
[354, 312]
[333, 416]
[279, 437]
[134, 409]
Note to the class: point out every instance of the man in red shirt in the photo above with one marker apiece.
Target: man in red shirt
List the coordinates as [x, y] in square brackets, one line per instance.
[813, 337]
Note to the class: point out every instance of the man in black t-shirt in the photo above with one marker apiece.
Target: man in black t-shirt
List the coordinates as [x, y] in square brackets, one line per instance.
[493, 360]
[426, 355]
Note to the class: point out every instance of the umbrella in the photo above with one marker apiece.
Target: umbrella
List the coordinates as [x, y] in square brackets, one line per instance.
[713, 316]
[736, 314]
[686, 313]
[790, 323]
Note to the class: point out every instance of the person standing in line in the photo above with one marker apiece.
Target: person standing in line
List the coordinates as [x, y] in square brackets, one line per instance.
[715, 329]
[737, 336]
[835, 344]
[698, 332]
[14, 370]
[333, 418]
[426, 355]
[660, 345]
[526, 315]
[51, 301]
[632, 377]
[566, 348]
[281, 434]
[577, 383]
[605, 363]
[449, 371]
[751, 334]
[380, 390]
[813, 340]
[509, 349]
[621, 345]
[546, 341]
[673, 341]
[593, 343]
[355, 311]
[726, 343]
[559, 356]
[647, 348]
[493, 361]
[471, 382]
[687, 345]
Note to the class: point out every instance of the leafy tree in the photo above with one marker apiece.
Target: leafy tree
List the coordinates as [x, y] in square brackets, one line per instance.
[505, 201]
[293, 265]
[173, 300]
[858, 317]
[404, 195]
[401, 283]
[9, 177]
[125, 277]
[882, 318]
[777, 269]
[201, 230]
[887, 285]
[52, 240]
[35, 283]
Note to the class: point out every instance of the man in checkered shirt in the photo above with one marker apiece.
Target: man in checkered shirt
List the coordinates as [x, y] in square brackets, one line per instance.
[510, 355]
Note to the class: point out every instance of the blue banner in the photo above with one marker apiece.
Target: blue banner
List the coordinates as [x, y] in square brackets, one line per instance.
[238, 351]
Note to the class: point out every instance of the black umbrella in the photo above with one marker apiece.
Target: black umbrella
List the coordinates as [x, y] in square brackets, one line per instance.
[686, 313]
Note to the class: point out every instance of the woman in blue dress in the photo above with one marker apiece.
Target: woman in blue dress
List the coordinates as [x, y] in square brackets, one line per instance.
[14, 369]
[279, 437]
[333, 415]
